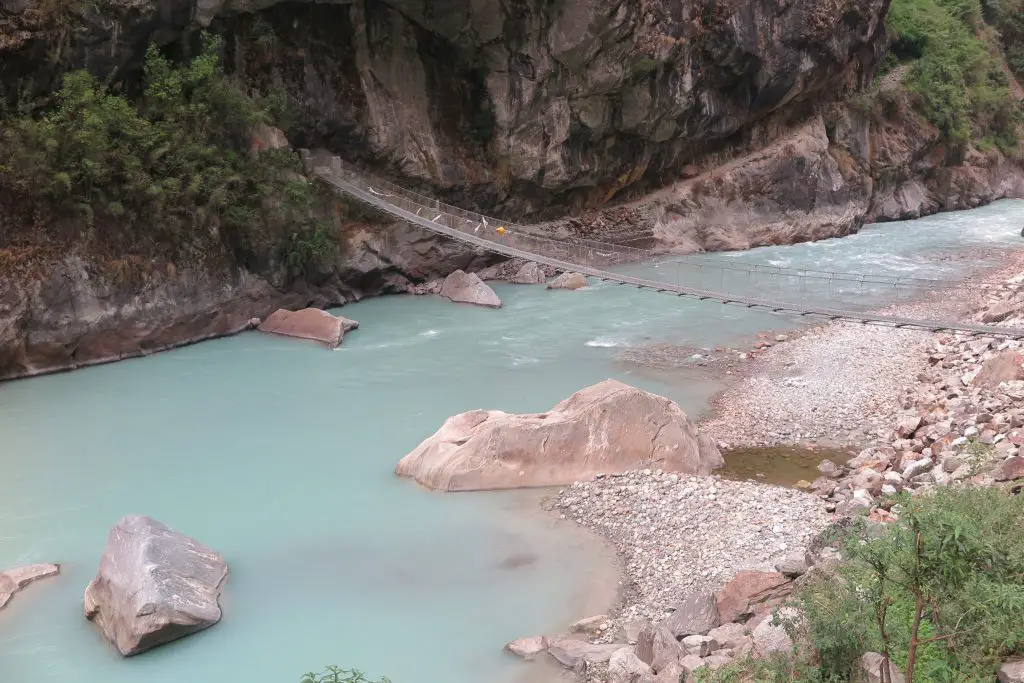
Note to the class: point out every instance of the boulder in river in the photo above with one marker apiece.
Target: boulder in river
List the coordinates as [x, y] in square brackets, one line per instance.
[568, 281]
[154, 585]
[467, 288]
[13, 581]
[530, 274]
[606, 428]
[309, 323]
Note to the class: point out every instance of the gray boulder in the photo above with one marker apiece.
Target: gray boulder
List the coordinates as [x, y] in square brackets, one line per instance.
[657, 647]
[527, 648]
[1011, 672]
[768, 639]
[530, 274]
[572, 654]
[467, 288]
[154, 585]
[696, 614]
[871, 665]
[568, 281]
[625, 667]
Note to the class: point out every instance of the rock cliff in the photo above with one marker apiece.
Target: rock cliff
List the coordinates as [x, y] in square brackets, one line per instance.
[721, 120]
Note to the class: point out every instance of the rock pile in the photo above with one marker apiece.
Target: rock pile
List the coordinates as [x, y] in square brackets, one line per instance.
[705, 630]
[962, 420]
[678, 534]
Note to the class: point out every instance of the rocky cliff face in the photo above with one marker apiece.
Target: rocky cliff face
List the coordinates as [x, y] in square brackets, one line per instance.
[545, 103]
[84, 312]
[529, 109]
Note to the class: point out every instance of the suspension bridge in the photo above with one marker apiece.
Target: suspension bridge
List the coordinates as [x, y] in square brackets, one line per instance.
[595, 258]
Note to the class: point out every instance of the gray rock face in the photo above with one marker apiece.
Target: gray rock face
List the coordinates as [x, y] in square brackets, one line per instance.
[468, 288]
[697, 614]
[154, 585]
[13, 581]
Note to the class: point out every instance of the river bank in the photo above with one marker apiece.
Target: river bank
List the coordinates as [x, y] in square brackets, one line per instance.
[906, 400]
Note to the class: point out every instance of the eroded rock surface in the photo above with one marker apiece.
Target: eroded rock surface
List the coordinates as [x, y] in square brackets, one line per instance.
[13, 581]
[608, 427]
[468, 288]
[309, 323]
[154, 585]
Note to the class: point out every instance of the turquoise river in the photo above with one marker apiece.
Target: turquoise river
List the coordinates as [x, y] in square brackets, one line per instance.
[279, 454]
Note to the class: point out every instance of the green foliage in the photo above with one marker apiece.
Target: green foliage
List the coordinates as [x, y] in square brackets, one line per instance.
[778, 668]
[960, 85]
[169, 168]
[941, 592]
[333, 674]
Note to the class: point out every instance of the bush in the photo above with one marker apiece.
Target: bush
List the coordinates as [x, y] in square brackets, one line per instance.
[959, 84]
[333, 674]
[941, 591]
[170, 168]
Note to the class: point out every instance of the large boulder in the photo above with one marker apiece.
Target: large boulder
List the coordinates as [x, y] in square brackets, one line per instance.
[530, 274]
[568, 281]
[13, 581]
[608, 427]
[527, 648]
[770, 638]
[467, 288]
[1005, 366]
[308, 323]
[657, 647]
[572, 653]
[154, 585]
[752, 592]
[1010, 672]
[696, 614]
[625, 667]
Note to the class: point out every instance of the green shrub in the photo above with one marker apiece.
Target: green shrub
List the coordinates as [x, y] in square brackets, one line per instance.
[171, 167]
[333, 674]
[941, 592]
[959, 84]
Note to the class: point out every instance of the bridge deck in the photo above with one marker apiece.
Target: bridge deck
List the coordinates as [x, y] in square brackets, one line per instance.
[524, 244]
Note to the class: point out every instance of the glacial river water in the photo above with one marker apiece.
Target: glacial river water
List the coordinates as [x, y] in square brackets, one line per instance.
[279, 454]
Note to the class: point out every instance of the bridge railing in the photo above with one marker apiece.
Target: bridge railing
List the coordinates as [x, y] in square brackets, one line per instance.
[603, 253]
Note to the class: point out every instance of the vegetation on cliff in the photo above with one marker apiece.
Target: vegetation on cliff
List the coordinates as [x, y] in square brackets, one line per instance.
[941, 592]
[956, 69]
[164, 170]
